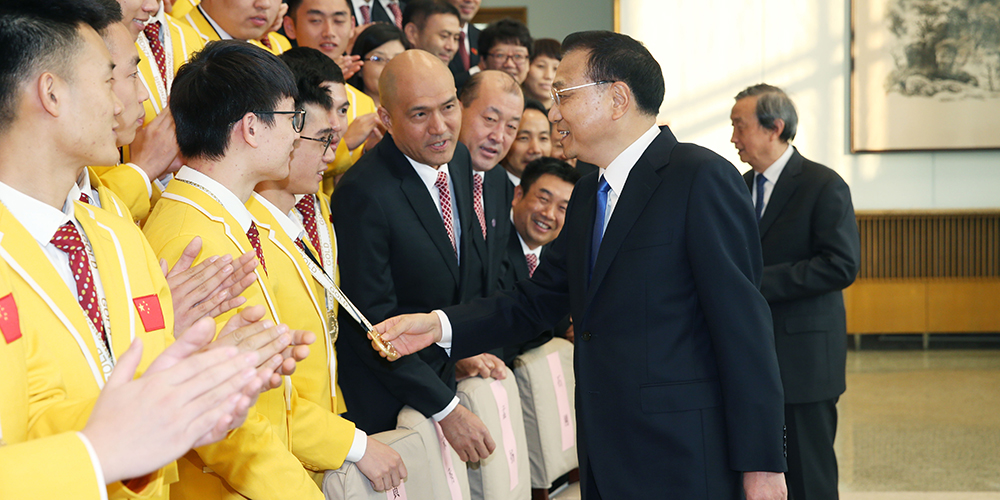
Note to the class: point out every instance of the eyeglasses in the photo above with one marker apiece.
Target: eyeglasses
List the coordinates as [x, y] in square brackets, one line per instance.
[557, 94]
[298, 117]
[325, 140]
[378, 59]
[501, 58]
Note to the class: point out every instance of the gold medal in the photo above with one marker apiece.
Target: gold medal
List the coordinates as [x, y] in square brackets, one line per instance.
[334, 326]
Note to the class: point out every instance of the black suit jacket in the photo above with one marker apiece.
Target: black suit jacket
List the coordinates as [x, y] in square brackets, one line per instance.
[457, 70]
[379, 15]
[497, 195]
[809, 238]
[395, 257]
[516, 269]
[676, 377]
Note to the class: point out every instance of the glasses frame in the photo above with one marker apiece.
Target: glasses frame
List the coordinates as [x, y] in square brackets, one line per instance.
[327, 141]
[508, 57]
[557, 94]
[298, 120]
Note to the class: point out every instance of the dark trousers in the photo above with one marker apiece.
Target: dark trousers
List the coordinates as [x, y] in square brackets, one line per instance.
[588, 487]
[812, 464]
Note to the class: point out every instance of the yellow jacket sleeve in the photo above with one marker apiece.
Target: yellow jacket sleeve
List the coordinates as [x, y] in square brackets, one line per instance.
[55, 467]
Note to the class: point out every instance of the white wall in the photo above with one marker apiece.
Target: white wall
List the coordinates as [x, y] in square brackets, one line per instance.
[712, 49]
[558, 18]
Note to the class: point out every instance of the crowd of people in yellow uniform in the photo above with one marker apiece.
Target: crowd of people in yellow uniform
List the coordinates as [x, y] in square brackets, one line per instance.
[167, 252]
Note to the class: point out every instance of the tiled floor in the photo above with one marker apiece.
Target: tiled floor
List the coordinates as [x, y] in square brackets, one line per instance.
[917, 425]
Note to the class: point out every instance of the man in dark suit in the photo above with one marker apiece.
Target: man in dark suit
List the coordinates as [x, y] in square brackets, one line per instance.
[811, 248]
[678, 390]
[467, 56]
[405, 213]
[379, 11]
[537, 215]
[491, 109]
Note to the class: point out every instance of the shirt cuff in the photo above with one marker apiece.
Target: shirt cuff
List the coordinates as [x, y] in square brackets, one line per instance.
[445, 341]
[439, 416]
[149, 186]
[98, 471]
[358, 447]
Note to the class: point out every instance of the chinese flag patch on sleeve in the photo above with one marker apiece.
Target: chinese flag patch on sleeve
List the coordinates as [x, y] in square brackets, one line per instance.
[10, 324]
[149, 312]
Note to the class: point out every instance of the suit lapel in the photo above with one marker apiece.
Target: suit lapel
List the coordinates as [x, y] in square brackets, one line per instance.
[420, 200]
[642, 182]
[516, 254]
[787, 183]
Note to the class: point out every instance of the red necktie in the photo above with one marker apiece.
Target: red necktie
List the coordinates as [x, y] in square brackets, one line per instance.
[266, 41]
[397, 14]
[366, 14]
[84, 198]
[532, 263]
[152, 31]
[68, 239]
[464, 54]
[477, 200]
[307, 208]
[445, 196]
[254, 238]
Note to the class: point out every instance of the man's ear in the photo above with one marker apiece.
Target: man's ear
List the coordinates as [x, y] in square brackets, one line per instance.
[247, 128]
[779, 127]
[411, 32]
[50, 89]
[383, 115]
[289, 26]
[518, 194]
[621, 97]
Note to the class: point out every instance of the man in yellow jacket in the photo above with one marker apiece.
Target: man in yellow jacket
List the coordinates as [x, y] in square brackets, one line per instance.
[233, 142]
[222, 20]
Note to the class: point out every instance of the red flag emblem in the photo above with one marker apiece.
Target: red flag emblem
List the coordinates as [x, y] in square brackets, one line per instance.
[149, 312]
[10, 324]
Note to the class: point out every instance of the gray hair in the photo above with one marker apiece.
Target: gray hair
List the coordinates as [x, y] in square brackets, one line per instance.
[773, 104]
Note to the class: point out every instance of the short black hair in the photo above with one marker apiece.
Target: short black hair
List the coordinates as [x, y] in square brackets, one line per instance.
[37, 34]
[293, 5]
[536, 105]
[217, 87]
[418, 11]
[311, 68]
[505, 31]
[370, 39]
[772, 104]
[547, 165]
[548, 47]
[470, 91]
[620, 58]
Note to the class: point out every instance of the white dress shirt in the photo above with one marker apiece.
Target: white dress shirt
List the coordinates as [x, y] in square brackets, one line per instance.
[371, 6]
[771, 173]
[513, 178]
[428, 175]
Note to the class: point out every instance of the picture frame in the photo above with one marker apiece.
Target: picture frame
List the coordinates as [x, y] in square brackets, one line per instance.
[925, 75]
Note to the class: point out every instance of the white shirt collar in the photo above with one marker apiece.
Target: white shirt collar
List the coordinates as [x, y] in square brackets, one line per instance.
[617, 172]
[289, 226]
[774, 171]
[83, 186]
[218, 29]
[524, 246]
[164, 26]
[513, 178]
[230, 202]
[40, 219]
[427, 173]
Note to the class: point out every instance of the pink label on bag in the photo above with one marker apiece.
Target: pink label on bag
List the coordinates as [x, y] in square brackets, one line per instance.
[396, 493]
[562, 400]
[449, 467]
[506, 430]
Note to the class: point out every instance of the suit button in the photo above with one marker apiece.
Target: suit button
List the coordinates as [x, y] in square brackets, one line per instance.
[585, 336]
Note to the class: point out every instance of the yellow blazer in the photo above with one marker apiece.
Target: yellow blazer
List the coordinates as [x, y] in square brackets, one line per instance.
[255, 460]
[361, 105]
[324, 438]
[131, 193]
[196, 20]
[182, 43]
[128, 271]
[26, 467]
[182, 7]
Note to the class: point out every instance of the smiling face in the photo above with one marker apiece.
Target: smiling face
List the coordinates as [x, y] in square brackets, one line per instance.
[439, 36]
[504, 57]
[243, 19]
[127, 86]
[325, 25]
[532, 142]
[135, 13]
[308, 159]
[581, 116]
[490, 123]
[541, 73]
[421, 110]
[539, 214]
